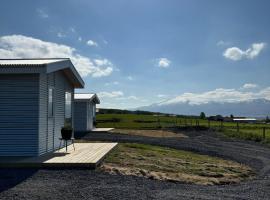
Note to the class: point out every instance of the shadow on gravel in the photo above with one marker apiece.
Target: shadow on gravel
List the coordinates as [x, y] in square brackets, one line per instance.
[12, 177]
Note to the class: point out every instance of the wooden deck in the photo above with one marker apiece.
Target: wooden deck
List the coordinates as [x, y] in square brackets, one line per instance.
[85, 155]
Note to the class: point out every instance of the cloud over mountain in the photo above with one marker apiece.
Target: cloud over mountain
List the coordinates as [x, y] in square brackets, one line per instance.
[219, 101]
[220, 95]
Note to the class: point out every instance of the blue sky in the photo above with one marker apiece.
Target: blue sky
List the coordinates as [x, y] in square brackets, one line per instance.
[135, 53]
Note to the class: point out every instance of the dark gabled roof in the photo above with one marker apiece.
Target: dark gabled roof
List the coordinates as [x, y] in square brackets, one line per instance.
[52, 65]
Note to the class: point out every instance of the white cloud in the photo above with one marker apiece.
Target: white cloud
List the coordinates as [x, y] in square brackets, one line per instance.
[235, 53]
[112, 83]
[19, 46]
[130, 78]
[112, 94]
[91, 43]
[223, 43]
[79, 39]
[249, 86]
[220, 95]
[132, 97]
[41, 13]
[102, 62]
[255, 50]
[163, 62]
[161, 95]
[61, 35]
[72, 29]
[265, 93]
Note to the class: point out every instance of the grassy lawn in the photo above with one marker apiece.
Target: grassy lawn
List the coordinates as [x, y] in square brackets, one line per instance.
[173, 165]
[135, 121]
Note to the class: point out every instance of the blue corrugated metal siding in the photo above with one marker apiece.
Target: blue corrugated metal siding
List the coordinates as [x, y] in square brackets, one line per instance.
[50, 135]
[90, 116]
[80, 116]
[83, 116]
[50, 128]
[19, 114]
[43, 115]
[61, 86]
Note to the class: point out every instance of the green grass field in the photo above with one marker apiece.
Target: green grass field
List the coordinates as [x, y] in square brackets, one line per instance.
[136, 121]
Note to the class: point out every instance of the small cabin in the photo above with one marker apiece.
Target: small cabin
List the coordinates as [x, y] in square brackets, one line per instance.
[36, 101]
[84, 112]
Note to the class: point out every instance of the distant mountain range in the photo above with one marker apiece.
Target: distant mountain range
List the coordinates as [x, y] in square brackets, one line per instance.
[259, 108]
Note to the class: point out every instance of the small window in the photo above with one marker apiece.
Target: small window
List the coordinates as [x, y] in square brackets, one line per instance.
[51, 102]
[68, 109]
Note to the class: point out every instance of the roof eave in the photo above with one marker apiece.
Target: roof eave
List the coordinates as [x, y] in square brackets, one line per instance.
[66, 65]
[93, 98]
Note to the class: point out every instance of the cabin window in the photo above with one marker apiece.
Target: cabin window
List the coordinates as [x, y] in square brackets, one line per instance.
[51, 102]
[68, 109]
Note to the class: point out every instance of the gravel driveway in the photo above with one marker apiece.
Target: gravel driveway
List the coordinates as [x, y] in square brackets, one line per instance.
[87, 184]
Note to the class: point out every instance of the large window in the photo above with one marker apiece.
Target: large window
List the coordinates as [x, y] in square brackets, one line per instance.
[68, 109]
[51, 102]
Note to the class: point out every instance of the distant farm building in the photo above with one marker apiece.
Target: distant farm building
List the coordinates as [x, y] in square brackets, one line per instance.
[245, 120]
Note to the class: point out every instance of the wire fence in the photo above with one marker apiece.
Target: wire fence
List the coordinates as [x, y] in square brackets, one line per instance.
[250, 131]
[253, 131]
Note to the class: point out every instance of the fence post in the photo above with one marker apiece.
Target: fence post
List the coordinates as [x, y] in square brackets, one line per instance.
[237, 126]
[158, 122]
[191, 122]
[263, 132]
[208, 123]
[198, 123]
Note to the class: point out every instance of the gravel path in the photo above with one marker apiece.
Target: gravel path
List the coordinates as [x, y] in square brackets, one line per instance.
[87, 184]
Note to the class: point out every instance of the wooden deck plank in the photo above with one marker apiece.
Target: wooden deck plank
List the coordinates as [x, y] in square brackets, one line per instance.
[85, 154]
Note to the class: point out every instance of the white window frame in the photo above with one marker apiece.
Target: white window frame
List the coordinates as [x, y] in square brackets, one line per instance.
[51, 108]
[70, 117]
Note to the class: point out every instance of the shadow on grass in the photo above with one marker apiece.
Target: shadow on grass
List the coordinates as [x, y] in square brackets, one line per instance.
[12, 177]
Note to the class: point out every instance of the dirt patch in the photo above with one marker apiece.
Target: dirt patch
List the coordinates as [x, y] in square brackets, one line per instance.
[150, 133]
[167, 164]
